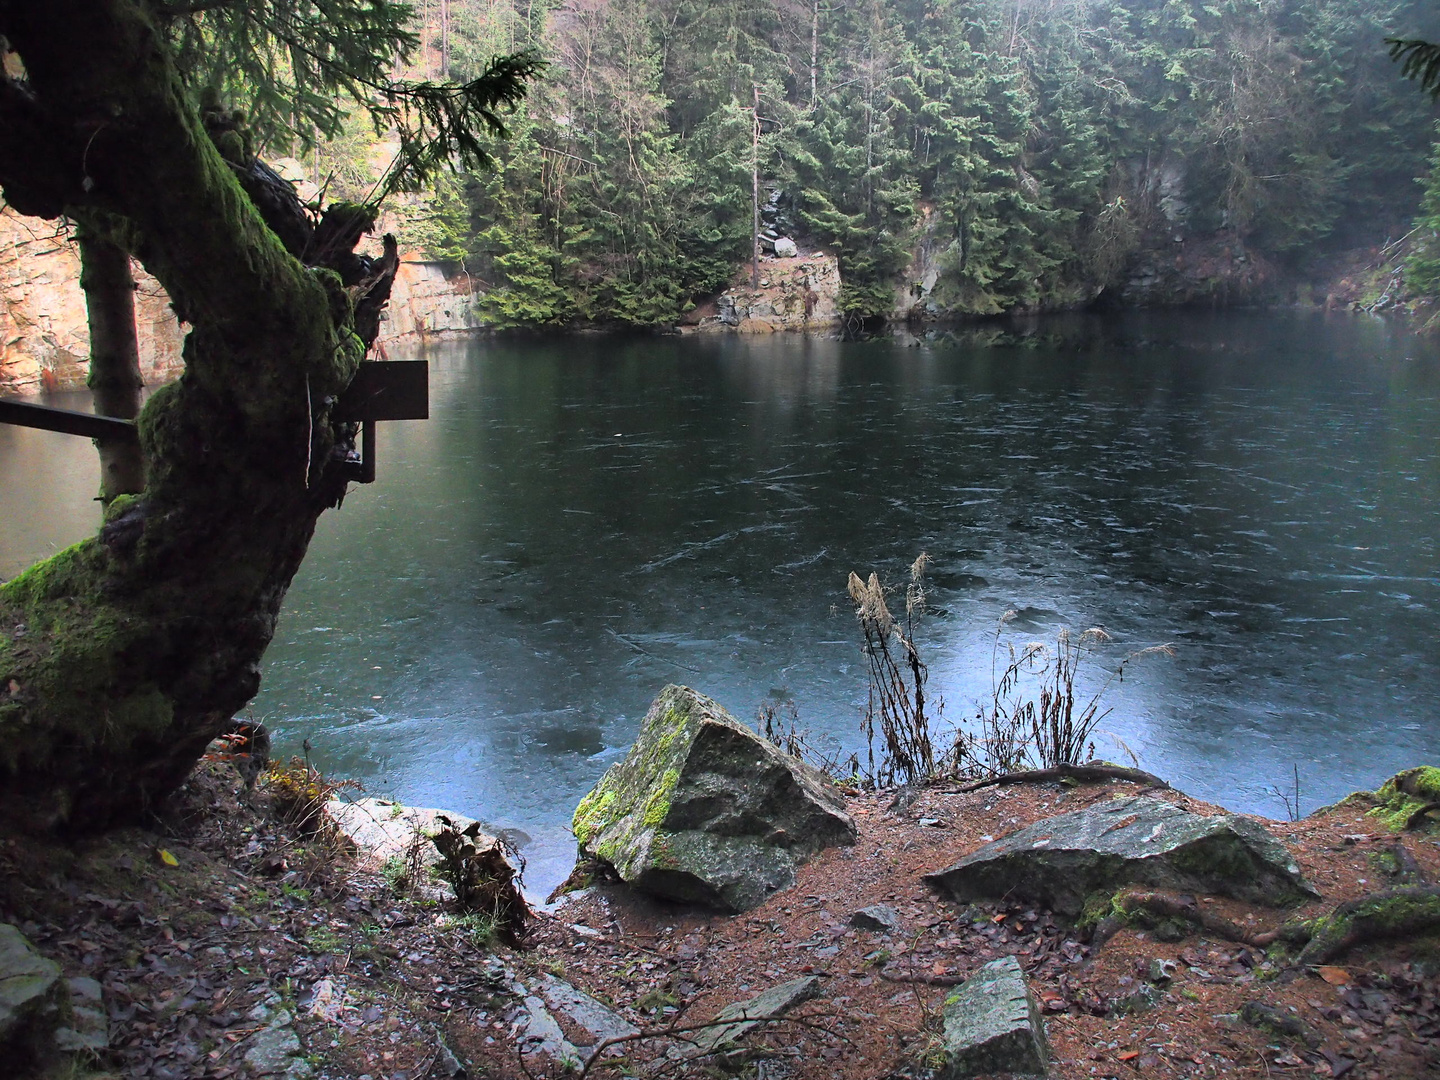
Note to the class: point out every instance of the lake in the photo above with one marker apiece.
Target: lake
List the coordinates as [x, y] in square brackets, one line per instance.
[585, 519]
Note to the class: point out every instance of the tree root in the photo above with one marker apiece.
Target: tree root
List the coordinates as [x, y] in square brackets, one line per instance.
[1408, 798]
[1129, 902]
[1394, 913]
[1085, 774]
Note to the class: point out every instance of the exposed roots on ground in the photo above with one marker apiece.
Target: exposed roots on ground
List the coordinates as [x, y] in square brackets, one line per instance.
[1168, 905]
[1085, 774]
[1392, 914]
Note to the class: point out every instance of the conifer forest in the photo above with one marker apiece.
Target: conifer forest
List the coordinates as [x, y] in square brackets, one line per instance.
[1034, 149]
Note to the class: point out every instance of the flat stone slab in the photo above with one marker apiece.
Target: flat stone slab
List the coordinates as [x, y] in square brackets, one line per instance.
[992, 1024]
[776, 1001]
[276, 1050]
[703, 811]
[32, 995]
[1061, 861]
[599, 1021]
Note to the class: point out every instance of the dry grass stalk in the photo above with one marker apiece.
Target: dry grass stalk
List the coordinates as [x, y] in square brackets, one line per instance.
[897, 680]
[1034, 719]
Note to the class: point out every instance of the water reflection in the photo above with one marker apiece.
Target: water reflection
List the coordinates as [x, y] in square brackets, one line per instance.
[583, 520]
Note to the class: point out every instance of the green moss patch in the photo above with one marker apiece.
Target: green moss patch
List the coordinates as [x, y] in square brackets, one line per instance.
[1409, 799]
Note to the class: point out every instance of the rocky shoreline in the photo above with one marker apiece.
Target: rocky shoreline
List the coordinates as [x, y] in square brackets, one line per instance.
[217, 943]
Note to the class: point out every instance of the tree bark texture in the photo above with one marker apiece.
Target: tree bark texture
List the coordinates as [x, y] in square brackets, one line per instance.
[121, 657]
[114, 379]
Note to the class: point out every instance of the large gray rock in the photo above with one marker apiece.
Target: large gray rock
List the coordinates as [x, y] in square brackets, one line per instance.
[33, 998]
[1061, 861]
[992, 1025]
[703, 811]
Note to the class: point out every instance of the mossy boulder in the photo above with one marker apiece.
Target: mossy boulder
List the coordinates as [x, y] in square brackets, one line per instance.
[703, 811]
[1061, 861]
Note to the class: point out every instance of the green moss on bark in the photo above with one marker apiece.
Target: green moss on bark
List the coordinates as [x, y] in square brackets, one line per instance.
[1409, 799]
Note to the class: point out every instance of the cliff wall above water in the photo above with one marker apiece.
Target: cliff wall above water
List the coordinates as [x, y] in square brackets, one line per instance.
[45, 342]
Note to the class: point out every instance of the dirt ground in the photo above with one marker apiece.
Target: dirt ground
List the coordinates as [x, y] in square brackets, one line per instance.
[194, 958]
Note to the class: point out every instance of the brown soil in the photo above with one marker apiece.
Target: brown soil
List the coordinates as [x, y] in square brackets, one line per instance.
[378, 982]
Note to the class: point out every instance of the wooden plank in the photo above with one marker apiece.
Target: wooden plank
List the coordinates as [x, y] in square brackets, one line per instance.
[387, 390]
[45, 418]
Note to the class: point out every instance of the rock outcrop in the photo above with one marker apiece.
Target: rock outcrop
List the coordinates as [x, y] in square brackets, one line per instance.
[428, 302]
[796, 292]
[993, 1025]
[44, 335]
[45, 338]
[703, 811]
[1061, 861]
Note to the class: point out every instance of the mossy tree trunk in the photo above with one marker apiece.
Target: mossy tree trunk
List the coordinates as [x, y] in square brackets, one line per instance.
[121, 657]
[114, 378]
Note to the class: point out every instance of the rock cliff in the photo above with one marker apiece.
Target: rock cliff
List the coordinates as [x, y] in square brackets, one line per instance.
[45, 342]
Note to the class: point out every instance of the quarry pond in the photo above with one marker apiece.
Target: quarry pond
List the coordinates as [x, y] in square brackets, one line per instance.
[585, 519]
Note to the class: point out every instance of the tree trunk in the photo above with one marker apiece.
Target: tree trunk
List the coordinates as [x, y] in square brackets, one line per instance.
[755, 192]
[814, 53]
[121, 657]
[114, 378]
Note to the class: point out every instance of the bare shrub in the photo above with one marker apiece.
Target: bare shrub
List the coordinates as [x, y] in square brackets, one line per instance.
[897, 681]
[1034, 718]
[779, 725]
[299, 791]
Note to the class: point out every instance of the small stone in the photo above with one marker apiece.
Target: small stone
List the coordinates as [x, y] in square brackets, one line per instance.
[992, 1024]
[1160, 970]
[1279, 1024]
[1141, 1000]
[879, 917]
